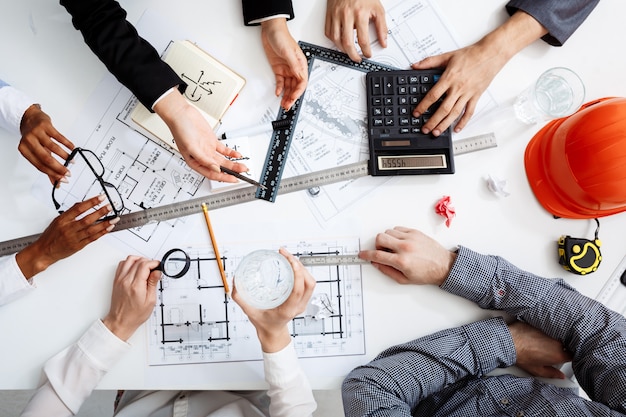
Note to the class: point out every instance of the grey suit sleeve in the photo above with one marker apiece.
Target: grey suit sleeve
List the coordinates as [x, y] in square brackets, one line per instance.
[560, 17]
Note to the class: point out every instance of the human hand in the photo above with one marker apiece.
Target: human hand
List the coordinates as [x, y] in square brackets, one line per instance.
[66, 235]
[286, 59]
[408, 256]
[468, 72]
[40, 140]
[133, 297]
[538, 353]
[343, 16]
[196, 140]
[271, 325]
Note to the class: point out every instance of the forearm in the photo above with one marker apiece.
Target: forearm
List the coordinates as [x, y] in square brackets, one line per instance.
[519, 31]
[402, 376]
[289, 390]
[133, 61]
[559, 18]
[13, 105]
[71, 375]
[595, 335]
[13, 283]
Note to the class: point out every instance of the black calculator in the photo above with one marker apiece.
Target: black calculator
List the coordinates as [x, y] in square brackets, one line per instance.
[397, 144]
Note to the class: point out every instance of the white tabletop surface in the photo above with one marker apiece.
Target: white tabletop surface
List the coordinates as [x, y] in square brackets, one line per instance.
[42, 54]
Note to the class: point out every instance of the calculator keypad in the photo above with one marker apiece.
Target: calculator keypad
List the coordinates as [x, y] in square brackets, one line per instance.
[392, 100]
[397, 144]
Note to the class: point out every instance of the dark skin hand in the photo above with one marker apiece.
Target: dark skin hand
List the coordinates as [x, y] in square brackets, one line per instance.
[40, 140]
[65, 236]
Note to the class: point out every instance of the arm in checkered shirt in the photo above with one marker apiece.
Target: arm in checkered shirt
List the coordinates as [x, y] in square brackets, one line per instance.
[399, 378]
[595, 335]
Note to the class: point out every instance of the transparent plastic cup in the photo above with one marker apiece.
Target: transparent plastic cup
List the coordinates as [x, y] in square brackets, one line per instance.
[264, 279]
[558, 92]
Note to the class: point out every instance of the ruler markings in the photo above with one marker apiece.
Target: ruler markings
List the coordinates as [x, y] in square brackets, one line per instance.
[243, 195]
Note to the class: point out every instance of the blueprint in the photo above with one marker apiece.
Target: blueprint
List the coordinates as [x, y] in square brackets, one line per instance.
[194, 321]
[331, 129]
[146, 171]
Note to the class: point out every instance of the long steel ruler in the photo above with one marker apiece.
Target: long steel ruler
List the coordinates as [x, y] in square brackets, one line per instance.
[246, 194]
[327, 259]
[613, 294]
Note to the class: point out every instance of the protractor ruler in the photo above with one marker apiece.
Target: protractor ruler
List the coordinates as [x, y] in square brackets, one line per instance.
[281, 139]
[613, 294]
[330, 259]
[244, 195]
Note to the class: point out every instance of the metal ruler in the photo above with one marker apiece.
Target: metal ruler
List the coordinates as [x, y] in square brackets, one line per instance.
[281, 139]
[317, 260]
[246, 194]
[474, 143]
[613, 294]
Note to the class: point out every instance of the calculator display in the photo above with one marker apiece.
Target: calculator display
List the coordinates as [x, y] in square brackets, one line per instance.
[412, 162]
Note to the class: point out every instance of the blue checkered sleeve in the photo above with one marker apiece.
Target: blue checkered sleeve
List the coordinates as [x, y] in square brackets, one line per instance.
[398, 379]
[594, 334]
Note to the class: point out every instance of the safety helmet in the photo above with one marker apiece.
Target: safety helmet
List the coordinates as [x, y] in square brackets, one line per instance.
[576, 165]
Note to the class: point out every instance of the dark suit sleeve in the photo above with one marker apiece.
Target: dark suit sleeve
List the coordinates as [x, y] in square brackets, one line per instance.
[133, 61]
[560, 17]
[258, 9]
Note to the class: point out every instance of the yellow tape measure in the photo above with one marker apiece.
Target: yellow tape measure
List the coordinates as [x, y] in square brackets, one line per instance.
[580, 256]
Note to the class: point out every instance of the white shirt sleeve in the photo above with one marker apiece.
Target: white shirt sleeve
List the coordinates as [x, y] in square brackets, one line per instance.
[265, 19]
[289, 389]
[71, 375]
[13, 283]
[13, 104]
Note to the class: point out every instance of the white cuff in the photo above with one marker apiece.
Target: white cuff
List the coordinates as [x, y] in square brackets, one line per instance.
[13, 104]
[13, 283]
[168, 92]
[265, 19]
[77, 370]
[281, 367]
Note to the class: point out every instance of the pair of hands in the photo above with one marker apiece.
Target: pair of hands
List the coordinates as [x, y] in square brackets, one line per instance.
[134, 297]
[195, 139]
[409, 256]
[468, 71]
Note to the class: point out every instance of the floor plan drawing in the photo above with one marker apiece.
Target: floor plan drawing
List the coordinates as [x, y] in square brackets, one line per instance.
[146, 172]
[194, 321]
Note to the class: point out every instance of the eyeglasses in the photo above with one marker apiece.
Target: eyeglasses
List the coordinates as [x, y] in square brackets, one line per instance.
[96, 167]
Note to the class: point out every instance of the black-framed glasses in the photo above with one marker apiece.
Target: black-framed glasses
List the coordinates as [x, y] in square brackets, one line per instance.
[95, 165]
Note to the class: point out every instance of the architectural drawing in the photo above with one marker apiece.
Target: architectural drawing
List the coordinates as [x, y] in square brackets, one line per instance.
[331, 129]
[195, 322]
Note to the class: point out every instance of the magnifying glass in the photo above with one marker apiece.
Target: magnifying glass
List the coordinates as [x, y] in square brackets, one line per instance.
[175, 263]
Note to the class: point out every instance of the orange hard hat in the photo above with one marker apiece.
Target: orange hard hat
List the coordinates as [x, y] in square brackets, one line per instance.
[576, 165]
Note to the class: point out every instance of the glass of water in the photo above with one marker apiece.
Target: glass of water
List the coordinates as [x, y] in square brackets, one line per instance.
[264, 279]
[558, 92]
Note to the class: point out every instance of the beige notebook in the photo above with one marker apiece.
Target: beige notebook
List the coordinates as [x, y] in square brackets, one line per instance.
[211, 88]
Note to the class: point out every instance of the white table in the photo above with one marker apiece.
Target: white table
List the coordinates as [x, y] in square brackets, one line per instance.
[43, 55]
